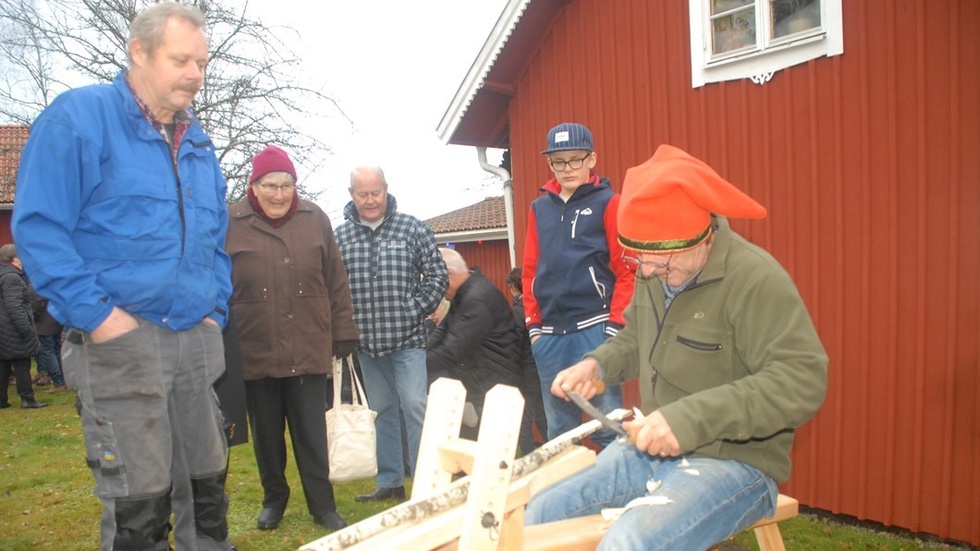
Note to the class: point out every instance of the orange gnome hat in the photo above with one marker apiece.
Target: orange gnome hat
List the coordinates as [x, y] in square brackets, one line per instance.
[667, 203]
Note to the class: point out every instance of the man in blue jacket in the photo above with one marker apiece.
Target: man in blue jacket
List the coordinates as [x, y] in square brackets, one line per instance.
[120, 222]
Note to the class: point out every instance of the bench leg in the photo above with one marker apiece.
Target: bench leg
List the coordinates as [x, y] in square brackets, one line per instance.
[769, 538]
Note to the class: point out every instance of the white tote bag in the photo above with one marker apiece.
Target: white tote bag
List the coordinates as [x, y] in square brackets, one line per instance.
[351, 444]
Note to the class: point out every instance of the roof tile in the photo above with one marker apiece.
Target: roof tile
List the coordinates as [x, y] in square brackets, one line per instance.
[12, 140]
[487, 214]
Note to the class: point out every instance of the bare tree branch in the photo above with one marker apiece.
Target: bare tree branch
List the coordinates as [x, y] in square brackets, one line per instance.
[250, 97]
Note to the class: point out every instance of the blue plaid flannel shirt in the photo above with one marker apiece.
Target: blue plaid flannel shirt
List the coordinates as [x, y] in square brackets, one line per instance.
[397, 278]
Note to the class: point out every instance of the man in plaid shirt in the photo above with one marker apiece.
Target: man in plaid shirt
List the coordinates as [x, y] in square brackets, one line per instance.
[397, 278]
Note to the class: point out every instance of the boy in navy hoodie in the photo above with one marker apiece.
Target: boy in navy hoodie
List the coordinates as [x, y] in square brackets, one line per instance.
[576, 284]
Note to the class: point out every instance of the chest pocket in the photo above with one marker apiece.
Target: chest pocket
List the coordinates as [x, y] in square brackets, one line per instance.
[395, 257]
[692, 359]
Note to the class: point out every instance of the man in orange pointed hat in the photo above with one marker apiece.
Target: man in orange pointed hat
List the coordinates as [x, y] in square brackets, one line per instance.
[728, 360]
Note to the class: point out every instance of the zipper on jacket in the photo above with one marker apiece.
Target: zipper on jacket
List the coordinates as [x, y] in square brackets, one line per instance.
[173, 152]
[599, 286]
[180, 208]
[661, 320]
[698, 345]
[586, 210]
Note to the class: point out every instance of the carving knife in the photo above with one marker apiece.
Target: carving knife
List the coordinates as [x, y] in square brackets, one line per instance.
[601, 417]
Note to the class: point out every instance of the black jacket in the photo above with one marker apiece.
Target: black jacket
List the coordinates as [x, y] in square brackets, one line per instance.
[478, 342]
[18, 337]
[44, 322]
[530, 382]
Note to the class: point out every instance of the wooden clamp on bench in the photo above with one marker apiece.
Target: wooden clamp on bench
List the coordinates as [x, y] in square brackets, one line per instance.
[484, 508]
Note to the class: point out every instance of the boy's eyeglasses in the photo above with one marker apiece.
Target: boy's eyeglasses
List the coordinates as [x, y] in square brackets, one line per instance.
[574, 164]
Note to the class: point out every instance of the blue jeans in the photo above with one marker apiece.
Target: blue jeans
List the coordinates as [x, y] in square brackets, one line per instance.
[49, 358]
[711, 499]
[394, 383]
[552, 353]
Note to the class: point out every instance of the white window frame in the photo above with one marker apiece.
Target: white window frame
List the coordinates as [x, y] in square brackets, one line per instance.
[768, 56]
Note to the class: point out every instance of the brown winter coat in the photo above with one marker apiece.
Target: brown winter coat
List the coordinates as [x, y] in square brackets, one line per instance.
[290, 298]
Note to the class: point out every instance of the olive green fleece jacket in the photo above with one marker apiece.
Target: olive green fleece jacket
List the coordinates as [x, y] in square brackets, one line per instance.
[734, 365]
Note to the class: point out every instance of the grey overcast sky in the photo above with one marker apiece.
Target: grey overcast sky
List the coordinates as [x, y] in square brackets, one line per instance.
[393, 66]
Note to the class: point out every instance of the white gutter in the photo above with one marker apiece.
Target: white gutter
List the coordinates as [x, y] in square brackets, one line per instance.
[484, 61]
[470, 236]
[481, 153]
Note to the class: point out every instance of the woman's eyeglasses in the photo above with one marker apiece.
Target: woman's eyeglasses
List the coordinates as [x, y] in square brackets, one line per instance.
[271, 189]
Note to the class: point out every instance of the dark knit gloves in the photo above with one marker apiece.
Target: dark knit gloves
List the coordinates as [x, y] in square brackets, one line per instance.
[342, 349]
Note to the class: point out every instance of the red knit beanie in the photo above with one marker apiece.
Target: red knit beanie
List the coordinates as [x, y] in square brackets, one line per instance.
[271, 159]
[667, 202]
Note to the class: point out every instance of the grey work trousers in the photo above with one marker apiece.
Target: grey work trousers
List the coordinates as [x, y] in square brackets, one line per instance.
[149, 414]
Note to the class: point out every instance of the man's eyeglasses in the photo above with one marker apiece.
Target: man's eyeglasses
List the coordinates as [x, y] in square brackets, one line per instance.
[559, 165]
[365, 195]
[271, 189]
[634, 262]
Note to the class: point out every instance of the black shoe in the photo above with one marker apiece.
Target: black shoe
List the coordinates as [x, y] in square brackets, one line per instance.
[269, 518]
[32, 404]
[331, 520]
[381, 494]
[5, 405]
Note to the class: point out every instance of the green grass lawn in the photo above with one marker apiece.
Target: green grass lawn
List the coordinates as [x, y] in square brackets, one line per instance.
[46, 499]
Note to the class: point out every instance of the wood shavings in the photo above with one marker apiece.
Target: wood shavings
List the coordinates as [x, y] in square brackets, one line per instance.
[654, 485]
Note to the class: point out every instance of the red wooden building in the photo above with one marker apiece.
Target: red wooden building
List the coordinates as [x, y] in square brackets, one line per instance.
[12, 140]
[857, 124]
[479, 233]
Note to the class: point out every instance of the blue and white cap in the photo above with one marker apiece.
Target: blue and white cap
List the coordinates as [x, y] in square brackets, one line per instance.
[568, 136]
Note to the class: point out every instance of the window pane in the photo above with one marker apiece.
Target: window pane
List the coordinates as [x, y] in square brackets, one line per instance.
[793, 16]
[721, 6]
[732, 32]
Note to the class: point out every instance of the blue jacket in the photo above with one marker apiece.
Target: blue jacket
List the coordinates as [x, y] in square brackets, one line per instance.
[104, 218]
[574, 275]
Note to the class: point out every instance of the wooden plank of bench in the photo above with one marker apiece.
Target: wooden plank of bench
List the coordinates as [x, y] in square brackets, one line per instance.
[786, 507]
[767, 529]
[584, 533]
[573, 534]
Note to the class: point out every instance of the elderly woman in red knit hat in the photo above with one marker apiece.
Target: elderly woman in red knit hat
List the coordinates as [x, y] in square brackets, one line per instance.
[292, 308]
[728, 362]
